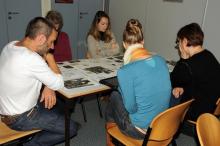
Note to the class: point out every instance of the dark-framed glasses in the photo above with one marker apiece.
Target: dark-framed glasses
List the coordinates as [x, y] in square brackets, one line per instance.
[177, 44]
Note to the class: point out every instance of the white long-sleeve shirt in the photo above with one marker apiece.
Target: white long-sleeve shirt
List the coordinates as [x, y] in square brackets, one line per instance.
[22, 73]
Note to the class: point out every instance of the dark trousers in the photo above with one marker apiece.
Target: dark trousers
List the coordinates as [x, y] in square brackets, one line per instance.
[51, 122]
[116, 112]
[174, 101]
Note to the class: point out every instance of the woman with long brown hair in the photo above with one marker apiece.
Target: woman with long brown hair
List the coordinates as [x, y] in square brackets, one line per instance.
[100, 40]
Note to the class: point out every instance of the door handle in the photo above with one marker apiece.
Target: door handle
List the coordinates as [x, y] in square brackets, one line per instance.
[83, 13]
[13, 13]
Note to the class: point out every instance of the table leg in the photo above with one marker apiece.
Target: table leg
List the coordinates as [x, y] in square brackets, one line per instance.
[67, 124]
[99, 104]
[69, 108]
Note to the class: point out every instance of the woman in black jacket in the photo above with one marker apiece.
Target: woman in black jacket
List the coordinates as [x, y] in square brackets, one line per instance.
[196, 74]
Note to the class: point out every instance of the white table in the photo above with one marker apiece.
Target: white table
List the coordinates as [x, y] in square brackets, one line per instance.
[82, 78]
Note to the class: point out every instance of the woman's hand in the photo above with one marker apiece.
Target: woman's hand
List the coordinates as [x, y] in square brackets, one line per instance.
[114, 46]
[177, 91]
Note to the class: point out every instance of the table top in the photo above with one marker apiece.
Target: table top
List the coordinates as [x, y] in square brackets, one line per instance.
[81, 77]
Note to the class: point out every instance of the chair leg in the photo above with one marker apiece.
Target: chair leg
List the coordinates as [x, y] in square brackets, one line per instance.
[116, 142]
[188, 129]
[173, 142]
[109, 139]
[99, 105]
[83, 109]
[195, 136]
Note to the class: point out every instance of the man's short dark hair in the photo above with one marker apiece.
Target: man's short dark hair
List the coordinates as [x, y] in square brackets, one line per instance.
[193, 33]
[38, 25]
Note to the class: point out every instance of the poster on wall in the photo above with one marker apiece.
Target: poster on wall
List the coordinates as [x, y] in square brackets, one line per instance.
[64, 1]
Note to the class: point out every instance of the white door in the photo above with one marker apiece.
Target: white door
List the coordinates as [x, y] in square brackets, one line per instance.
[18, 14]
[77, 18]
[87, 10]
[70, 21]
[3, 26]
[14, 16]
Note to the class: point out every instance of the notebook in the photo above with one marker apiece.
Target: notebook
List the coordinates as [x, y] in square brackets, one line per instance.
[111, 82]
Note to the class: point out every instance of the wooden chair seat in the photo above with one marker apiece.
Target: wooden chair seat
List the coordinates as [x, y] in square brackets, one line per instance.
[208, 130]
[126, 140]
[161, 130]
[191, 125]
[7, 134]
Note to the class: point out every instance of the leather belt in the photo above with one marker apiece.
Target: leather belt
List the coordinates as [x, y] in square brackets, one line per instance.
[10, 119]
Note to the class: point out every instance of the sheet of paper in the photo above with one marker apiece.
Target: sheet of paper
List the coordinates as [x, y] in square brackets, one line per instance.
[85, 74]
[74, 79]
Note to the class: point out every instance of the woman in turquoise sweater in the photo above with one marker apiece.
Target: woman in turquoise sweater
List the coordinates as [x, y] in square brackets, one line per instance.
[144, 86]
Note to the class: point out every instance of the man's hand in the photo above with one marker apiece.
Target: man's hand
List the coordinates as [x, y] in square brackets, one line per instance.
[177, 92]
[49, 97]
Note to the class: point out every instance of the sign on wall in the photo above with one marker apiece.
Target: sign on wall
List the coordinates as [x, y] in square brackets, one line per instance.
[63, 1]
[179, 1]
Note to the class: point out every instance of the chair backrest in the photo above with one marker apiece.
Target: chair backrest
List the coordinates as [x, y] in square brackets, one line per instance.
[217, 109]
[7, 134]
[208, 130]
[82, 50]
[165, 125]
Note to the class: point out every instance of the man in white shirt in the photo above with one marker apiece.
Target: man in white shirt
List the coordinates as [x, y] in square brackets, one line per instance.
[24, 66]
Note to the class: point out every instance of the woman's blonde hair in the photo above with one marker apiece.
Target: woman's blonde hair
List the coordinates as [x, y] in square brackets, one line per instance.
[93, 30]
[133, 32]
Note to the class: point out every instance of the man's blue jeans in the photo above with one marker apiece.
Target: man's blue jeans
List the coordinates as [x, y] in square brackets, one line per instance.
[51, 122]
[116, 112]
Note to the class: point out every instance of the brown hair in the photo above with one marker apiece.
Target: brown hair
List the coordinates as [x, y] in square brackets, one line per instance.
[93, 30]
[193, 33]
[133, 32]
[55, 18]
[38, 25]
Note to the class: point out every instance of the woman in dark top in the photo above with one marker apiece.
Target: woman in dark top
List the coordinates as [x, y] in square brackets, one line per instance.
[62, 48]
[196, 74]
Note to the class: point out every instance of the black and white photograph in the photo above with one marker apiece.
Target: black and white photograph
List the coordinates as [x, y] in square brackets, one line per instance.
[67, 66]
[99, 69]
[76, 83]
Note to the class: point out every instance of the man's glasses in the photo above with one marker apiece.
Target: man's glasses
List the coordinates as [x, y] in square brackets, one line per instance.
[177, 44]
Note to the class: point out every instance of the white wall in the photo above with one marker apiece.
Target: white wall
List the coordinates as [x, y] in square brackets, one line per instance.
[120, 11]
[162, 20]
[212, 27]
